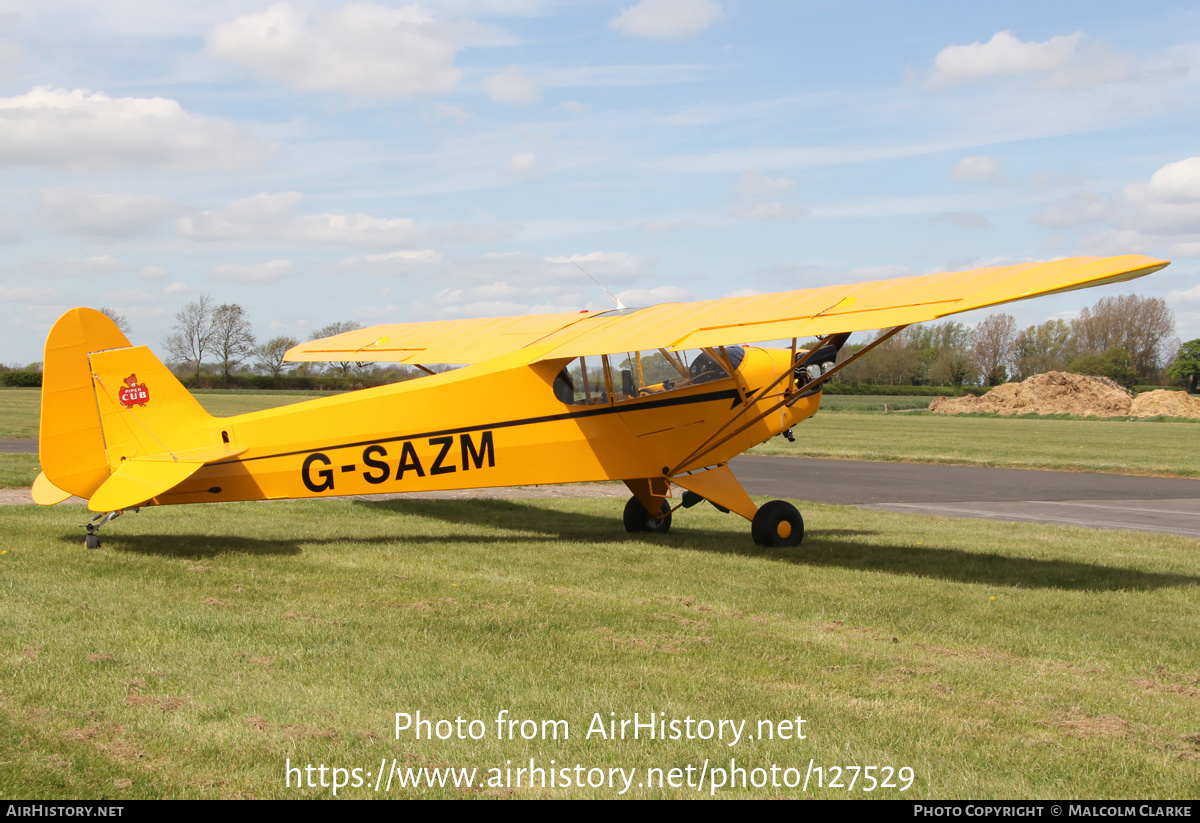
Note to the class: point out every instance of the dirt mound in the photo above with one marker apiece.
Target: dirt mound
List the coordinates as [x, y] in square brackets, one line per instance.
[1050, 393]
[1168, 403]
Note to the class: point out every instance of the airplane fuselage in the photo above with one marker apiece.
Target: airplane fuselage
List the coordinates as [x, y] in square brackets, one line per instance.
[487, 426]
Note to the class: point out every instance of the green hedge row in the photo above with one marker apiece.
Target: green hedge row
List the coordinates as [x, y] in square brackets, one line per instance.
[903, 391]
[295, 383]
[22, 379]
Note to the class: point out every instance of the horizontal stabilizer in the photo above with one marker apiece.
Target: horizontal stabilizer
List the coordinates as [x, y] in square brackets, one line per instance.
[136, 481]
[46, 493]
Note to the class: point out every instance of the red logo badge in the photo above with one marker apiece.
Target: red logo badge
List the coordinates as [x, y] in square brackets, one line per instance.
[133, 393]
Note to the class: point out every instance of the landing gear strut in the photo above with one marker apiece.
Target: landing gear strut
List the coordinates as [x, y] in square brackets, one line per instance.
[92, 540]
[777, 523]
[637, 520]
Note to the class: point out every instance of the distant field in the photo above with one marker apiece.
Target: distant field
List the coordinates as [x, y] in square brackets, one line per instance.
[872, 402]
[204, 647]
[1119, 447]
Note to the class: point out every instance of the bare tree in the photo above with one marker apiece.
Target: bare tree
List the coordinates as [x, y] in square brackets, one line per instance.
[1044, 348]
[992, 347]
[233, 340]
[270, 354]
[192, 335]
[343, 368]
[1142, 326]
[117, 317]
[893, 363]
[953, 366]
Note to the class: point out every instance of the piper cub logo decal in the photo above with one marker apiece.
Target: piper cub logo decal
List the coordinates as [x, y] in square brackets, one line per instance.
[380, 466]
[133, 393]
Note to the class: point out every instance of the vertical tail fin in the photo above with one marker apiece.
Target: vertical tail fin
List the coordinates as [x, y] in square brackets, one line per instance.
[105, 401]
[70, 440]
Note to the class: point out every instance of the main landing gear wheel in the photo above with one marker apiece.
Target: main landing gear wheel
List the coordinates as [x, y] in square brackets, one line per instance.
[777, 523]
[636, 519]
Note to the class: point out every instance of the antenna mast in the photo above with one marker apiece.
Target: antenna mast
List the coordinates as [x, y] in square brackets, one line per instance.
[620, 305]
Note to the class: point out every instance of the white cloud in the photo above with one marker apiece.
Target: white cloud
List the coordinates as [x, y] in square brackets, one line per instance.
[753, 184]
[273, 216]
[271, 272]
[526, 164]
[104, 217]
[451, 111]
[972, 169]
[394, 262]
[754, 203]
[650, 297]
[774, 210]
[81, 131]
[90, 267]
[667, 225]
[360, 49]
[1160, 216]
[22, 293]
[966, 219]
[1081, 207]
[1058, 63]
[1174, 182]
[667, 19]
[10, 52]
[513, 86]
[607, 266]
[10, 230]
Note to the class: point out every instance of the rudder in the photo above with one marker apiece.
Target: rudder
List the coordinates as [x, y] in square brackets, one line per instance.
[70, 440]
[105, 401]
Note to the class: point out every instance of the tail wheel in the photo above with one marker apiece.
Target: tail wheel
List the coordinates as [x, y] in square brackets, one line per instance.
[636, 519]
[777, 523]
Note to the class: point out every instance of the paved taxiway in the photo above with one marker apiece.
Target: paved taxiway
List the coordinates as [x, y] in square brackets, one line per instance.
[1106, 501]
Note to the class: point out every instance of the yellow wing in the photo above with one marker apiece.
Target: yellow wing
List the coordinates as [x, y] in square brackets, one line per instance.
[818, 312]
[802, 313]
[435, 341]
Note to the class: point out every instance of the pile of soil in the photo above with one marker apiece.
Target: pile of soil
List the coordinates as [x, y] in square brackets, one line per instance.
[1169, 403]
[1051, 393]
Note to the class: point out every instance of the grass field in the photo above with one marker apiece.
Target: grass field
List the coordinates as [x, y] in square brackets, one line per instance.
[204, 646]
[1118, 446]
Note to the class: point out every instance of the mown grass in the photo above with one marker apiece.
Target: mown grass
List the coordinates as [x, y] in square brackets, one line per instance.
[203, 646]
[1118, 447]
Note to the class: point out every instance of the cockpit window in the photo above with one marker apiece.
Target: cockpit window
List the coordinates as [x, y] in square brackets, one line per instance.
[629, 375]
[581, 383]
[639, 374]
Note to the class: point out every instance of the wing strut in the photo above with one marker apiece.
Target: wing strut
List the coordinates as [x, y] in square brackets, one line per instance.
[788, 400]
[704, 448]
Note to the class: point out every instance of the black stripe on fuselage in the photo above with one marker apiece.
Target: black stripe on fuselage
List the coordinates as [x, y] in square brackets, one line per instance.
[727, 394]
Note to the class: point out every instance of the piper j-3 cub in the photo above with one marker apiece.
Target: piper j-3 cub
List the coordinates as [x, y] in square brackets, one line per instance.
[660, 398]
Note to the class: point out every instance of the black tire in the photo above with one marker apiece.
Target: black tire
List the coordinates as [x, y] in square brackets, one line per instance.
[777, 524]
[636, 519]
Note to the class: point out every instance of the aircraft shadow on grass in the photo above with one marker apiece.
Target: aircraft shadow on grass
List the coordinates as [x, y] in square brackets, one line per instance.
[835, 548]
[824, 547]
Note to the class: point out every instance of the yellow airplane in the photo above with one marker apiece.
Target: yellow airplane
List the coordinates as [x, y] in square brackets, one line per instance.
[660, 398]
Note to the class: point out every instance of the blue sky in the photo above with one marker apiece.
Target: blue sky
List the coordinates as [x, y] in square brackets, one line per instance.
[383, 162]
